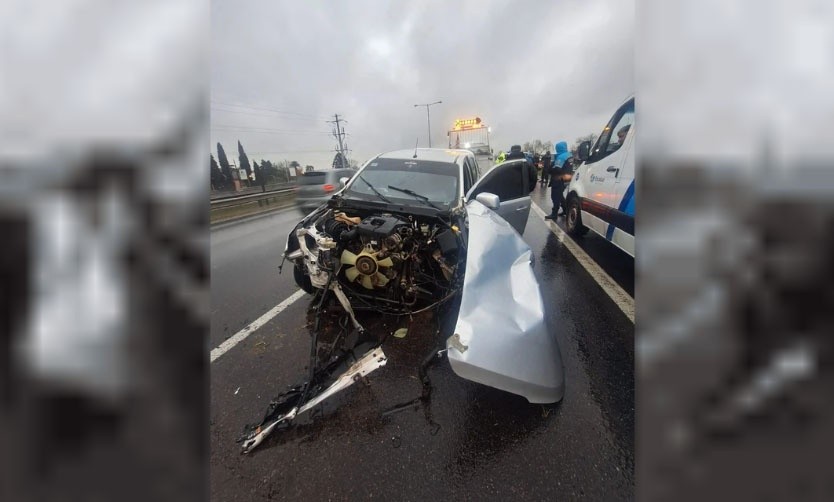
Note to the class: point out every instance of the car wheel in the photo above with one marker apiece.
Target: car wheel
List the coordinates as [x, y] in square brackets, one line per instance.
[303, 280]
[573, 220]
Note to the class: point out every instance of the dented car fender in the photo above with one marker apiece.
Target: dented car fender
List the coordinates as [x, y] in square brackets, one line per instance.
[501, 337]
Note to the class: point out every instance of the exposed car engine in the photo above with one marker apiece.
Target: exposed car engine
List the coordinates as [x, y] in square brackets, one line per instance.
[385, 261]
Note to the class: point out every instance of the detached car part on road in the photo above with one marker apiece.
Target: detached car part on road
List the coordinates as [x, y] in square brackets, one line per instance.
[408, 232]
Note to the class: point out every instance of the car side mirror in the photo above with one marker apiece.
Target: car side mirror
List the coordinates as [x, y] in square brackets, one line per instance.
[584, 151]
[490, 200]
[343, 181]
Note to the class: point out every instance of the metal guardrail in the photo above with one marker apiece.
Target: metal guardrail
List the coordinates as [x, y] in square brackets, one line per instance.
[245, 199]
[250, 191]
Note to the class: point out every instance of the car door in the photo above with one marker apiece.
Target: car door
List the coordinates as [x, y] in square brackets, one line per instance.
[501, 336]
[603, 175]
[509, 181]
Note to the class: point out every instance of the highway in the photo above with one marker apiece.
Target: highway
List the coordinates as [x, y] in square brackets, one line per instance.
[470, 441]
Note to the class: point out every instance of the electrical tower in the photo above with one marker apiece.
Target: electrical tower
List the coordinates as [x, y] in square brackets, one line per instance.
[339, 134]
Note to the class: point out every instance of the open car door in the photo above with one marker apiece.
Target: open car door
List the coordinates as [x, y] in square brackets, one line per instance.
[501, 338]
[510, 181]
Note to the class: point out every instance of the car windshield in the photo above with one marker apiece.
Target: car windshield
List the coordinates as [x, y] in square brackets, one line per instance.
[437, 181]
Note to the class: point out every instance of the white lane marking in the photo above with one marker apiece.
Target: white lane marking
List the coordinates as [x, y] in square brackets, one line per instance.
[254, 325]
[622, 299]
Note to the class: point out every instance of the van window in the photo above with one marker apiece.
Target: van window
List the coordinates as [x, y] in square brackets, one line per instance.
[615, 132]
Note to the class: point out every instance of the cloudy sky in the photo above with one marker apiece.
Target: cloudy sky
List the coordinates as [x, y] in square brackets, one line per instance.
[529, 69]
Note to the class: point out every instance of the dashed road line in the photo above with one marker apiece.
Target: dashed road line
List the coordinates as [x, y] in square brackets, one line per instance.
[254, 325]
[622, 299]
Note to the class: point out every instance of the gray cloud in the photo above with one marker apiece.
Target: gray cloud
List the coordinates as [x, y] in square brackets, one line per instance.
[528, 69]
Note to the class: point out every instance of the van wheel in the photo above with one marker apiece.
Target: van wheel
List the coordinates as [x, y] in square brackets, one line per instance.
[573, 220]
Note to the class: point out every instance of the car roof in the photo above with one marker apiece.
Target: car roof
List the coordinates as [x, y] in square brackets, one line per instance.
[430, 154]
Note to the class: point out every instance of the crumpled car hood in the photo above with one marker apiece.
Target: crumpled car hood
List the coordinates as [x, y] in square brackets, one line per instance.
[501, 338]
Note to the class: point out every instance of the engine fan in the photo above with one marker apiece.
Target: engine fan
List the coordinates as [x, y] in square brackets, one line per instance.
[365, 266]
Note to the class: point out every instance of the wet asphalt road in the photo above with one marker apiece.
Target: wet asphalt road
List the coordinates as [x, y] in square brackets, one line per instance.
[470, 441]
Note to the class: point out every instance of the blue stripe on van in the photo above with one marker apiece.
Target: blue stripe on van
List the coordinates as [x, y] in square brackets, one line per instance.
[626, 206]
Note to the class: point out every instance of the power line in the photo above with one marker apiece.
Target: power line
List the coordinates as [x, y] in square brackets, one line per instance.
[272, 110]
[263, 108]
[265, 130]
[290, 151]
[270, 115]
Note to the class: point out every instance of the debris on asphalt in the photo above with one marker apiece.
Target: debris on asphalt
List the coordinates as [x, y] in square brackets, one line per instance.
[289, 405]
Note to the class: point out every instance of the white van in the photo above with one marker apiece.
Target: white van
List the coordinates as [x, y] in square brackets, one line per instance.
[600, 196]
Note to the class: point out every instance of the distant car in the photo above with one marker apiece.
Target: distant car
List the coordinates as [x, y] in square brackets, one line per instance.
[415, 228]
[316, 187]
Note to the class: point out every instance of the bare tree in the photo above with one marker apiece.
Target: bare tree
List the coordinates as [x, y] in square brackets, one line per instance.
[283, 167]
[588, 137]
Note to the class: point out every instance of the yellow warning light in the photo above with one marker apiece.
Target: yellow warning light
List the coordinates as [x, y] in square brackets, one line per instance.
[467, 123]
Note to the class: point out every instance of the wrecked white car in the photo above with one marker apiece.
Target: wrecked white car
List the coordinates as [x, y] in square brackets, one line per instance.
[408, 232]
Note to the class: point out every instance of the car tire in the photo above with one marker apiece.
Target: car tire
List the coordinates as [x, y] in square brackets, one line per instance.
[573, 218]
[303, 280]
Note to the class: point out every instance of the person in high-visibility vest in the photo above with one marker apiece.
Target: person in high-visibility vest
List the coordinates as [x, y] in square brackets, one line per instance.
[501, 157]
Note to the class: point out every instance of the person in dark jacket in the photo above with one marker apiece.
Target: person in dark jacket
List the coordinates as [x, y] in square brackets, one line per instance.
[547, 163]
[515, 153]
[558, 170]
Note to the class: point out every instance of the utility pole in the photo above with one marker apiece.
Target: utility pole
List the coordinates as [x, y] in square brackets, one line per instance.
[428, 116]
[339, 135]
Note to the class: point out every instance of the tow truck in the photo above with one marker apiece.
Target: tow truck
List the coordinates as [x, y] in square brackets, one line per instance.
[473, 135]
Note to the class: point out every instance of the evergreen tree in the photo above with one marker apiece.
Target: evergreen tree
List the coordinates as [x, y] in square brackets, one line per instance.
[269, 170]
[224, 162]
[244, 160]
[217, 181]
